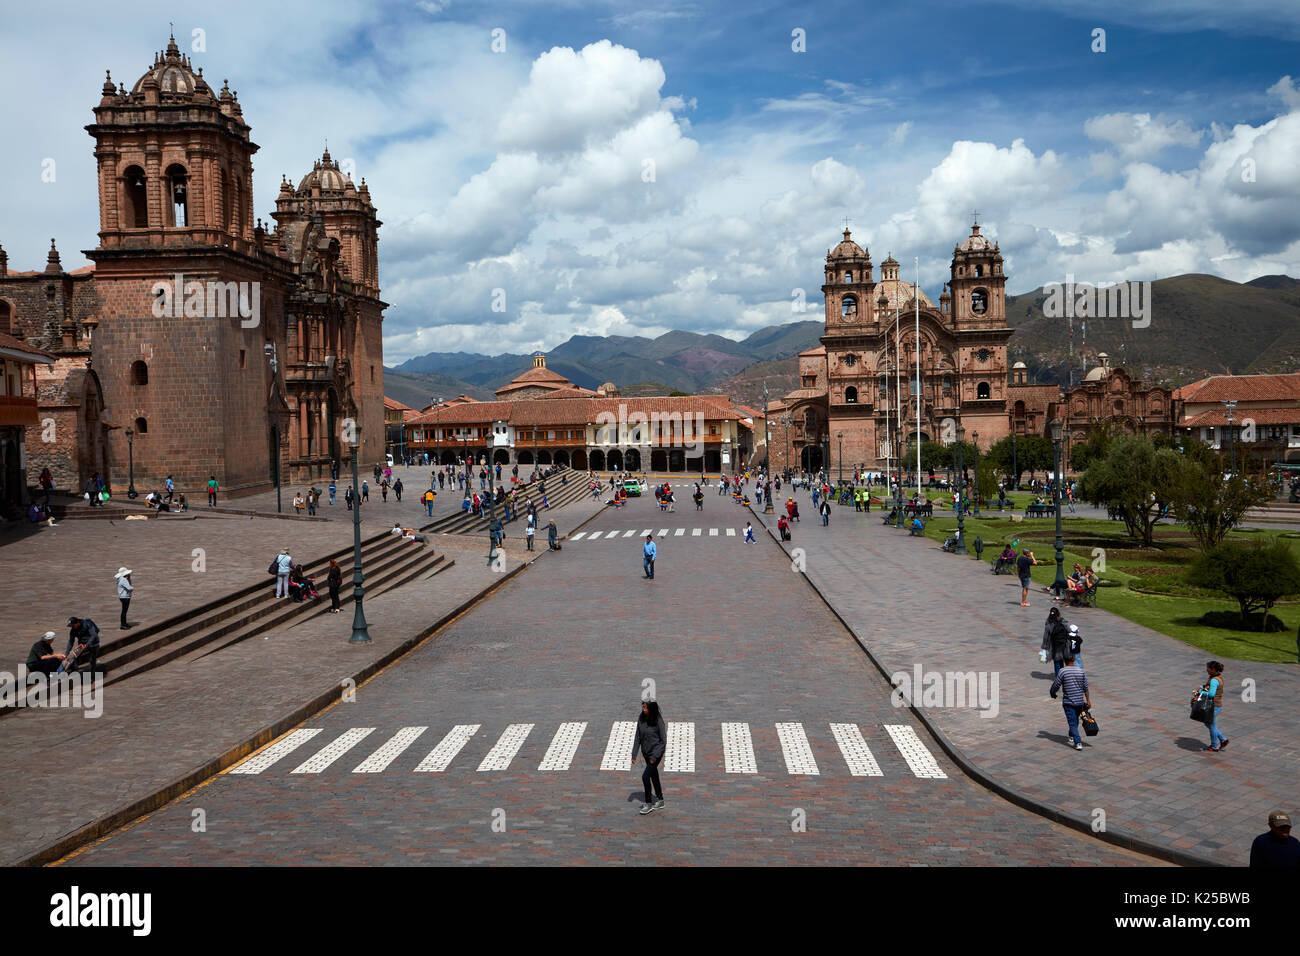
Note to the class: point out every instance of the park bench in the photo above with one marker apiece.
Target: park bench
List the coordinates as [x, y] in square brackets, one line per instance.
[1088, 598]
[926, 510]
[1038, 511]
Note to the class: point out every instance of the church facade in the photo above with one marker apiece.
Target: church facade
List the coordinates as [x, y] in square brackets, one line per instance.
[211, 343]
[856, 406]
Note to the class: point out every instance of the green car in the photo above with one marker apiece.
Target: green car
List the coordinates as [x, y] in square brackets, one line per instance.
[632, 487]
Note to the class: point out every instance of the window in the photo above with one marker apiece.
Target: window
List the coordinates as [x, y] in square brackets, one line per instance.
[809, 381]
[6, 318]
[979, 302]
[139, 373]
[851, 395]
[550, 436]
[947, 385]
[225, 201]
[982, 390]
[243, 358]
[137, 198]
[849, 305]
[713, 429]
[178, 203]
[810, 420]
[979, 271]
[141, 426]
[372, 374]
[848, 277]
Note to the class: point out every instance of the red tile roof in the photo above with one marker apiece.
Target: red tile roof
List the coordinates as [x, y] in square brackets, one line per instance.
[1260, 416]
[16, 345]
[394, 404]
[1242, 388]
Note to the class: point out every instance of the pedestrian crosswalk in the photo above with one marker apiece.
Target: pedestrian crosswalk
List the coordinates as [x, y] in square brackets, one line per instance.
[571, 747]
[657, 533]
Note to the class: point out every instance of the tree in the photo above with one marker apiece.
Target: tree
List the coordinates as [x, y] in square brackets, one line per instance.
[1208, 505]
[1095, 447]
[934, 456]
[1135, 478]
[1013, 457]
[1256, 576]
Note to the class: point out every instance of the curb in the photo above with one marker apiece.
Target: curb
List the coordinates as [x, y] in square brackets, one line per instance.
[1025, 802]
[119, 818]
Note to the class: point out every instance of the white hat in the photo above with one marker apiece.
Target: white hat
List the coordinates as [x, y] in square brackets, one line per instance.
[122, 572]
[1074, 628]
[49, 636]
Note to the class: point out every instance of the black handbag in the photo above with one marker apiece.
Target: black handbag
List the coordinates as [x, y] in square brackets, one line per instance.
[1202, 709]
[1089, 723]
[275, 566]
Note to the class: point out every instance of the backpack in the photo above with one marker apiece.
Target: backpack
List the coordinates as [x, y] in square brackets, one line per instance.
[275, 565]
[1076, 642]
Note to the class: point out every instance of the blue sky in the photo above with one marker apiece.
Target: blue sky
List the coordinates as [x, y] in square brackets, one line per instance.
[525, 169]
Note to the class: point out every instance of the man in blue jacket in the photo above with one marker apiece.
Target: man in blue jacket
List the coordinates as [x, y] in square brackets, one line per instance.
[648, 562]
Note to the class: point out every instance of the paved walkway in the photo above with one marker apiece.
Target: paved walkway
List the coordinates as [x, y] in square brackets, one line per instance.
[1147, 771]
[67, 771]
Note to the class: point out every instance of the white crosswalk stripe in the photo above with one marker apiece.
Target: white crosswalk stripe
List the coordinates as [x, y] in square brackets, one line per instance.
[919, 759]
[378, 761]
[594, 535]
[563, 746]
[577, 537]
[628, 534]
[695, 532]
[504, 750]
[618, 752]
[440, 758]
[663, 532]
[645, 532]
[738, 749]
[269, 755]
[794, 745]
[679, 757]
[679, 533]
[334, 750]
[855, 750]
[731, 532]
[713, 532]
[565, 751]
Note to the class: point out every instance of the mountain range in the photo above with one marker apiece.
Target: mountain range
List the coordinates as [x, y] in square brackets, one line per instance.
[1200, 325]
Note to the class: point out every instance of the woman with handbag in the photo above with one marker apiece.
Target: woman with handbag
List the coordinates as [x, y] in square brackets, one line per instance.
[1211, 693]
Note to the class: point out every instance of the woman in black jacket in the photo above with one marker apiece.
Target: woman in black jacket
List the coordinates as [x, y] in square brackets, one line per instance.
[651, 741]
[335, 581]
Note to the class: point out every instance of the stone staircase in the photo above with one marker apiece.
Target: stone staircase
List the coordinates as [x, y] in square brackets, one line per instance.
[388, 561]
[557, 494]
[1276, 512]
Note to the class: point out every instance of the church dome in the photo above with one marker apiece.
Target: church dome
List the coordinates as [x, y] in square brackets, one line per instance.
[975, 242]
[847, 249]
[325, 176]
[173, 73]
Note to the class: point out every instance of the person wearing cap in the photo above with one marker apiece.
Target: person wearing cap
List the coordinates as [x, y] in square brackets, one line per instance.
[649, 553]
[283, 565]
[1075, 641]
[124, 590]
[42, 659]
[1277, 849]
[82, 630]
[651, 741]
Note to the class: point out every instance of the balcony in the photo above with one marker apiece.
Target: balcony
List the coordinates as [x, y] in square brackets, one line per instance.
[18, 410]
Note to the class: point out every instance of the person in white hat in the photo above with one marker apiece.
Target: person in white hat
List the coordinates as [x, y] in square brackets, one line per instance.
[124, 589]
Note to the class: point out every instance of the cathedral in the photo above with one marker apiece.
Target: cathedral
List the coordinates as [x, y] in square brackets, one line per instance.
[856, 385]
[203, 342]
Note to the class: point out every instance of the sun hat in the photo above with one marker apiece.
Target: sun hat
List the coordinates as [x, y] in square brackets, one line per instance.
[122, 572]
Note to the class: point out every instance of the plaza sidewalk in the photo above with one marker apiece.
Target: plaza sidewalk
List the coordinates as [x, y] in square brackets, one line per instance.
[168, 730]
[909, 603]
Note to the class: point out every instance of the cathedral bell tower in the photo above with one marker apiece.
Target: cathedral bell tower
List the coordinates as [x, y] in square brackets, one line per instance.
[978, 286]
[849, 288]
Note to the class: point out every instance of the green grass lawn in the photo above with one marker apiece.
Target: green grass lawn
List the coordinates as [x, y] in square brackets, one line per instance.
[1174, 608]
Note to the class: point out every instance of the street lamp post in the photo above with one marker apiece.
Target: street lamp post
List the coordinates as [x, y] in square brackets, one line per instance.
[840, 436]
[273, 358]
[1232, 445]
[1058, 585]
[360, 630]
[961, 494]
[130, 454]
[492, 512]
[1015, 472]
[975, 440]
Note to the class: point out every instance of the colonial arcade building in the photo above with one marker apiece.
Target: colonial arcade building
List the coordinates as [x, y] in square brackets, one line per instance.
[236, 394]
[855, 385]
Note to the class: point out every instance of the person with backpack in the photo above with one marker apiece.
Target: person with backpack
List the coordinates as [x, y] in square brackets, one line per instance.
[212, 491]
[551, 535]
[171, 489]
[1075, 643]
[335, 581]
[333, 491]
[1212, 691]
[397, 489]
[282, 565]
[84, 632]
[651, 741]
[1023, 564]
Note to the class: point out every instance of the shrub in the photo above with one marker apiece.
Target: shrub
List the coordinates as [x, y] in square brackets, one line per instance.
[1231, 621]
[1255, 576]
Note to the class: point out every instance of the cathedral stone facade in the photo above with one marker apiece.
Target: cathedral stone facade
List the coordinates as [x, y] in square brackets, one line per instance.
[846, 410]
[224, 347]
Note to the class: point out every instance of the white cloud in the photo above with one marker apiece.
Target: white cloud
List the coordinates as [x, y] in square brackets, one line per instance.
[1138, 136]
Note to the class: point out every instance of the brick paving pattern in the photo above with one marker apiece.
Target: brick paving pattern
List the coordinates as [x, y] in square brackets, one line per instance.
[572, 640]
[909, 602]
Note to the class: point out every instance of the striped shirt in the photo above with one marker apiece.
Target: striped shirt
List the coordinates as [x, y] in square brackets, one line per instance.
[1075, 683]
